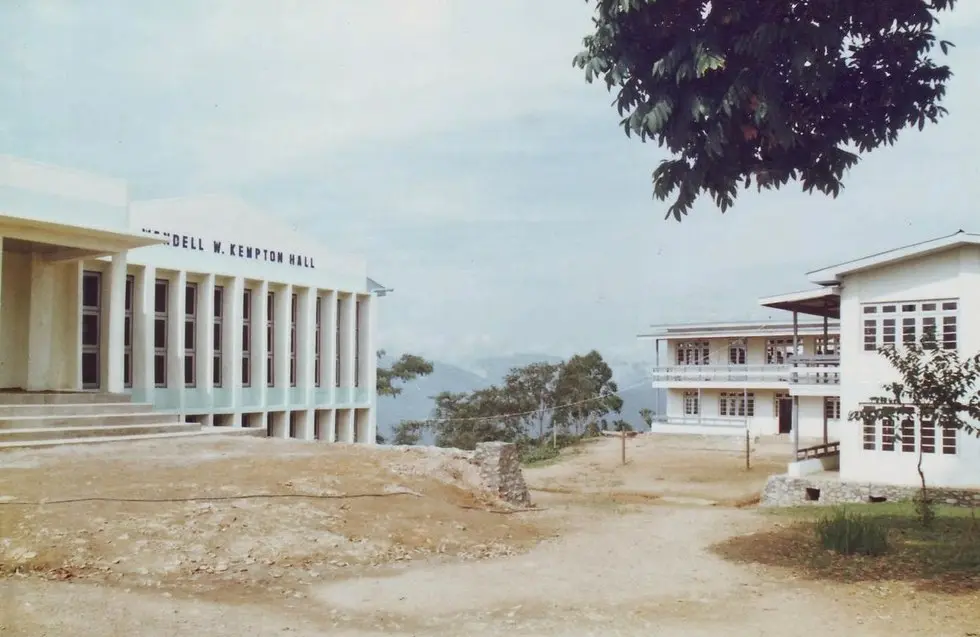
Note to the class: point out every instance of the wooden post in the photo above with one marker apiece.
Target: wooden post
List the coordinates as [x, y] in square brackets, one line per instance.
[622, 438]
[748, 462]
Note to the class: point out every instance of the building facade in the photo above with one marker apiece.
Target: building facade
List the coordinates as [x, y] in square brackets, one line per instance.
[889, 299]
[724, 378]
[203, 307]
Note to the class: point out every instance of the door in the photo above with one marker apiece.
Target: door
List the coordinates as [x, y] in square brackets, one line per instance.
[91, 329]
[785, 415]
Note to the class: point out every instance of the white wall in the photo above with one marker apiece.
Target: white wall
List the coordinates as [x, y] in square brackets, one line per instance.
[953, 274]
[15, 317]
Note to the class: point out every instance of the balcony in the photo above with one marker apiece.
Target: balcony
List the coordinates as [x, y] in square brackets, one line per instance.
[801, 375]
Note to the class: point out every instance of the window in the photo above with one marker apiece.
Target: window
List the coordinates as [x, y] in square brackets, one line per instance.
[927, 436]
[91, 329]
[905, 323]
[693, 353]
[216, 334]
[293, 313]
[931, 437]
[337, 346]
[831, 407]
[949, 441]
[128, 332]
[827, 347]
[357, 343]
[869, 433]
[190, 335]
[736, 404]
[888, 435]
[692, 404]
[270, 339]
[317, 350]
[780, 350]
[736, 353]
[247, 337]
[161, 293]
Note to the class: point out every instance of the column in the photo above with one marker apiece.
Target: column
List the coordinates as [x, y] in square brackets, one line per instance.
[305, 348]
[1, 283]
[328, 346]
[204, 335]
[369, 359]
[231, 344]
[260, 345]
[116, 328]
[143, 334]
[796, 426]
[283, 313]
[347, 371]
[175, 339]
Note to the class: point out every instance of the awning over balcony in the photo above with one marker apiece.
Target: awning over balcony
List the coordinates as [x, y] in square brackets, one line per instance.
[824, 302]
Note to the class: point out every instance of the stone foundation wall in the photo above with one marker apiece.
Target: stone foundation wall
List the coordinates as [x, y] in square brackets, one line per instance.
[784, 491]
[499, 464]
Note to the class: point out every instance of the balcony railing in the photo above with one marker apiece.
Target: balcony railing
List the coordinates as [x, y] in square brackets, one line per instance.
[736, 422]
[816, 370]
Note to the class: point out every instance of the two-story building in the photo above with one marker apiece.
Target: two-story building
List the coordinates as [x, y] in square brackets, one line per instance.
[204, 308]
[831, 358]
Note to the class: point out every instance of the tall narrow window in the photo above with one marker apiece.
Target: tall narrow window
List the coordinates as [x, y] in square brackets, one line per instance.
[831, 407]
[692, 404]
[247, 338]
[317, 350]
[91, 329]
[780, 351]
[693, 353]
[270, 339]
[216, 341]
[357, 343]
[293, 313]
[949, 441]
[161, 293]
[128, 332]
[736, 404]
[827, 347]
[190, 335]
[337, 346]
[736, 353]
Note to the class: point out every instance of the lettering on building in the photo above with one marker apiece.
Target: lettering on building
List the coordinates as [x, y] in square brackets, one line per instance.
[228, 248]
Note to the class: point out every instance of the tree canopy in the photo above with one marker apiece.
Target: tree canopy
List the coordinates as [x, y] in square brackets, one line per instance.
[405, 369]
[765, 91]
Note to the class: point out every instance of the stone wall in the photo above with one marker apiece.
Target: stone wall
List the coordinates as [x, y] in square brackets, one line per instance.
[784, 490]
[499, 464]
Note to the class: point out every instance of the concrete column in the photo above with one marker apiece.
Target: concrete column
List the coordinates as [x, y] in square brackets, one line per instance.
[116, 324]
[175, 338]
[283, 310]
[347, 322]
[41, 326]
[369, 361]
[231, 342]
[205, 347]
[796, 426]
[143, 313]
[328, 345]
[305, 348]
[260, 345]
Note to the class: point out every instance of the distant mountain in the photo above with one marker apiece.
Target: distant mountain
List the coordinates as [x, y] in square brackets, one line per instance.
[415, 401]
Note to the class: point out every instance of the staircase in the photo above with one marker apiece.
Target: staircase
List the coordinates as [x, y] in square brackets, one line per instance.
[42, 419]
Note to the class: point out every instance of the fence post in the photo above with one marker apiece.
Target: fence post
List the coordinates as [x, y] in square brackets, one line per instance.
[748, 462]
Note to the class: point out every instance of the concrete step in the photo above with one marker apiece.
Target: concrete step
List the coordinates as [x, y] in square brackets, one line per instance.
[73, 409]
[64, 433]
[8, 397]
[84, 420]
[202, 432]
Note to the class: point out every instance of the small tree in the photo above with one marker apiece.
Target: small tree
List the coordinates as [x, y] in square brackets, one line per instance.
[936, 388]
[405, 369]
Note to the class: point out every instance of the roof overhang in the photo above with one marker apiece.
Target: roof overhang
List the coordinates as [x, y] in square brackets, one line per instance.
[823, 302]
[834, 274]
[734, 330]
[76, 242]
[376, 288]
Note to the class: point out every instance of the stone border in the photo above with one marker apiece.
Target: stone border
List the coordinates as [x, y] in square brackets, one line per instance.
[789, 491]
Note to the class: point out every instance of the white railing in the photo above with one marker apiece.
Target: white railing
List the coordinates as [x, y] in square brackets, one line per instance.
[816, 370]
[714, 422]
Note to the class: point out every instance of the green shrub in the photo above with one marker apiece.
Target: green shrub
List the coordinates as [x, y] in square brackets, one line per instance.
[851, 533]
[538, 453]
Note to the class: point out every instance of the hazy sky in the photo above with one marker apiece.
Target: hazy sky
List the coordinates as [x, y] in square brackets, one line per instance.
[452, 143]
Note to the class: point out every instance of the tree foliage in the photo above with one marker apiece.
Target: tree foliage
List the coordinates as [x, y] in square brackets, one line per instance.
[530, 404]
[405, 369]
[765, 91]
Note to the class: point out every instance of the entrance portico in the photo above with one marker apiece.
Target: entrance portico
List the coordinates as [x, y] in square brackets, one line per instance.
[58, 331]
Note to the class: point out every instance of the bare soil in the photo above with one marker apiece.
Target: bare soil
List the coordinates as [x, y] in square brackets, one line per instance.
[355, 541]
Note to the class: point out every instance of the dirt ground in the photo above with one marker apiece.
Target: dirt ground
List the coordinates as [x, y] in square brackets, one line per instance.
[289, 549]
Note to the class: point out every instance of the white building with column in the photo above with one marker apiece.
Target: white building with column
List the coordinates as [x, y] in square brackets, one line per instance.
[202, 307]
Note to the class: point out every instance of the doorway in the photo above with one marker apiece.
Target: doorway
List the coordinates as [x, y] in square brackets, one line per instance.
[785, 414]
[91, 329]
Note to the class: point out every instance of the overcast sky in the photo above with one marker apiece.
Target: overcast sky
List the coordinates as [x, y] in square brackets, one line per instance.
[454, 146]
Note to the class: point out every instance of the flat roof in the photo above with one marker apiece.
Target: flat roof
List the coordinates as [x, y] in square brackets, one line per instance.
[736, 329]
[832, 275]
[821, 302]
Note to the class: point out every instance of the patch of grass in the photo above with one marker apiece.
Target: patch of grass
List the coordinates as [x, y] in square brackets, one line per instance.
[945, 557]
[851, 533]
[539, 455]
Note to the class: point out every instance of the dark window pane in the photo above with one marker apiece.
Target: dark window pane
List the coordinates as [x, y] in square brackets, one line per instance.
[246, 338]
[270, 371]
[189, 340]
[128, 370]
[129, 293]
[189, 371]
[219, 295]
[949, 305]
[160, 370]
[90, 330]
[128, 331]
[160, 296]
[160, 333]
[247, 305]
[246, 371]
[190, 299]
[270, 305]
[90, 369]
[294, 308]
[91, 292]
[216, 337]
[216, 375]
[928, 307]
[270, 338]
